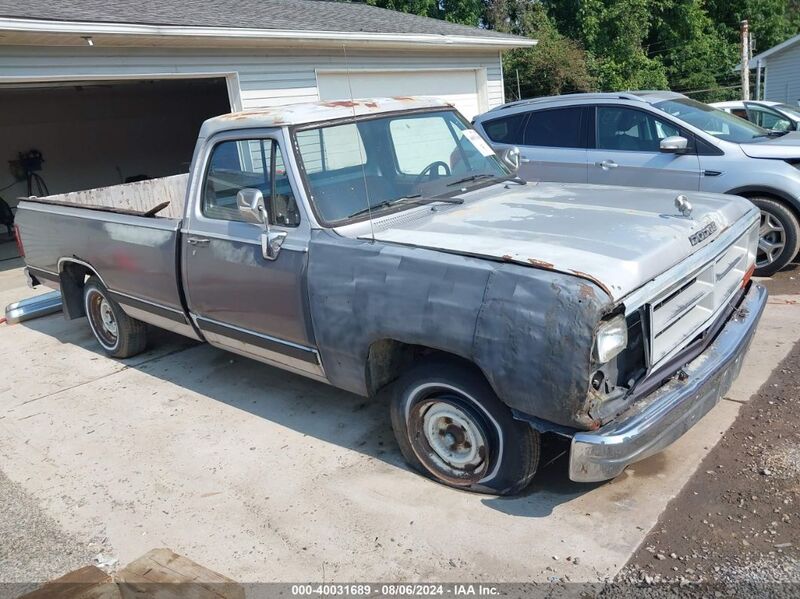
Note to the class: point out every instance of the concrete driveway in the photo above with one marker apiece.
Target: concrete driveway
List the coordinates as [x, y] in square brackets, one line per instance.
[266, 476]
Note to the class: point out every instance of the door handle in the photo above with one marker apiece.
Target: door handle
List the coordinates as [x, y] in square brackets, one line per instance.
[606, 164]
[197, 241]
[524, 160]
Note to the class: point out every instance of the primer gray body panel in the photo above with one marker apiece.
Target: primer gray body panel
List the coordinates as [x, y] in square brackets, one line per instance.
[529, 330]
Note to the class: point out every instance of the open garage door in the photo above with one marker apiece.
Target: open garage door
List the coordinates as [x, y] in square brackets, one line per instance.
[464, 88]
[63, 136]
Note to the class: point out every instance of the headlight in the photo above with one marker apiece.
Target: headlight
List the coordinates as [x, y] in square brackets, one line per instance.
[612, 338]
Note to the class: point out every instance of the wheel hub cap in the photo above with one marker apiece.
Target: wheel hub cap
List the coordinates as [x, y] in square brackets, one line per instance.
[455, 438]
[107, 317]
[771, 240]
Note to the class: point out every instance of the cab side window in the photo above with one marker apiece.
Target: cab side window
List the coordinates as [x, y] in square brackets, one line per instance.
[250, 163]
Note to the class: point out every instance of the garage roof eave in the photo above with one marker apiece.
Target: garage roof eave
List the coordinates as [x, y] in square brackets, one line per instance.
[132, 31]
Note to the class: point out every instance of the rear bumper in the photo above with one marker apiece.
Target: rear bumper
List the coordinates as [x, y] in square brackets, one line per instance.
[659, 419]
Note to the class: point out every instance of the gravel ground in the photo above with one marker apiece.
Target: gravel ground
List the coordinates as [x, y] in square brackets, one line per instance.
[33, 548]
[736, 524]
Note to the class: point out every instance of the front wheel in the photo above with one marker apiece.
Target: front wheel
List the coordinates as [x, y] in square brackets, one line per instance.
[778, 236]
[119, 335]
[452, 427]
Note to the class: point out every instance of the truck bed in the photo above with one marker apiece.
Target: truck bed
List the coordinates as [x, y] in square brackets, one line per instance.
[131, 198]
[105, 228]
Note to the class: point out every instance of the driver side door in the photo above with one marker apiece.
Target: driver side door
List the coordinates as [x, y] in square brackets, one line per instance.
[241, 300]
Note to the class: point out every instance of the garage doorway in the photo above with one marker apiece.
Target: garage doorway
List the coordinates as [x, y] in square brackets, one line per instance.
[464, 88]
[61, 136]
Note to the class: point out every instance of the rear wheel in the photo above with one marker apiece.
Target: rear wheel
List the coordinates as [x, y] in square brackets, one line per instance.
[119, 335]
[778, 237]
[451, 427]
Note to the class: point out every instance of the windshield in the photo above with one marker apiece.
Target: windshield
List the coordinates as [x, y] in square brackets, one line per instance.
[376, 164]
[713, 121]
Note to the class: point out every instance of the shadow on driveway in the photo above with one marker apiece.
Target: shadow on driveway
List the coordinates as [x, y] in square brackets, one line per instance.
[308, 407]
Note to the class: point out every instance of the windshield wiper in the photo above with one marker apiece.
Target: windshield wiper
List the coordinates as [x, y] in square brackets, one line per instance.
[471, 178]
[414, 198]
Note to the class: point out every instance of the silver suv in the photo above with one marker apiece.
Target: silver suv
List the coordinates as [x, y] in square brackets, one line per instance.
[662, 140]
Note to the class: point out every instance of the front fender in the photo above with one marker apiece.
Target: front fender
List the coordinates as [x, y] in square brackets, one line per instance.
[534, 340]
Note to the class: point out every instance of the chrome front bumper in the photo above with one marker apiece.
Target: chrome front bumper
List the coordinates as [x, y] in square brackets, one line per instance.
[667, 413]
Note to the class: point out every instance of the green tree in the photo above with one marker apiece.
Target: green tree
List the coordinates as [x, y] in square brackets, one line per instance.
[556, 65]
[697, 56]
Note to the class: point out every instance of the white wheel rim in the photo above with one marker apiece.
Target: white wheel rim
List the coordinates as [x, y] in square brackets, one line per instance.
[455, 438]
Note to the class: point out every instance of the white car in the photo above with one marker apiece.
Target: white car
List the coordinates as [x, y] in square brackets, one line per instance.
[775, 116]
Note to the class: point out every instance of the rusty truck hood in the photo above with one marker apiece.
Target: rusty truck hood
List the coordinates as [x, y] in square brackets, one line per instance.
[618, 237]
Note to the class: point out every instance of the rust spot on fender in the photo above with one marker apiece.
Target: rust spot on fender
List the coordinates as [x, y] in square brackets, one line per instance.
[586, 291]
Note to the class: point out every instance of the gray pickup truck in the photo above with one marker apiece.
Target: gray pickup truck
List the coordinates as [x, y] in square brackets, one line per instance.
[380, 246]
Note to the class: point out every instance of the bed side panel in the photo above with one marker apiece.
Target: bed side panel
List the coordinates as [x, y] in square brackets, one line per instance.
[133, 255]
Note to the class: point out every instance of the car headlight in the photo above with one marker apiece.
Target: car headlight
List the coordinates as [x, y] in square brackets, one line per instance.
[612, 338]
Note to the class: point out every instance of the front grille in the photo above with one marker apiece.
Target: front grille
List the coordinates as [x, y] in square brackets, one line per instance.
[686, 310]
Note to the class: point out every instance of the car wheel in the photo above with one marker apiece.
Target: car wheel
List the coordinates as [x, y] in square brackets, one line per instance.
[452, 427]
[119, 335]
[778, 237]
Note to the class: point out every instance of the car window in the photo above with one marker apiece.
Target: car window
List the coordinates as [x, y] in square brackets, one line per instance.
[559, 128]
[250, 163]
[740, 112]
[621, 128]
[767, 118]
[506, 130]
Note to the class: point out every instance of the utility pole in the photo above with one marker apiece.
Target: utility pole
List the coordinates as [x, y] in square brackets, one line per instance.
[519, 90]
[758, 80]
[745, 60]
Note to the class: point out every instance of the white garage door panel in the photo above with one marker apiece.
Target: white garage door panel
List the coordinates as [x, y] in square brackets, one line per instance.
[460, 88]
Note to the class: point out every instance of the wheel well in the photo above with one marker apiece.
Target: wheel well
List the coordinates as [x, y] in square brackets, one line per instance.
[755, 193]
[73, 277]
[387, 359]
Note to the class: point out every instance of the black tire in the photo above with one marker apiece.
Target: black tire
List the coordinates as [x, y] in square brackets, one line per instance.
[445, 395]
[127, 337]
[789, 235]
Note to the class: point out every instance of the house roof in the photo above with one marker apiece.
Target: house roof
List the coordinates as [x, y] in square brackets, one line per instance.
[325, 19]
[775, 49]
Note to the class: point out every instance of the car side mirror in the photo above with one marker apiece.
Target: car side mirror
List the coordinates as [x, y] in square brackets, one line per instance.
[511, 158]
[254, 210]
[674, 144]
[251, 205]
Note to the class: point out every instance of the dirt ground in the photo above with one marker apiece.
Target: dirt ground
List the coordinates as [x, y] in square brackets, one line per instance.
[736, 523]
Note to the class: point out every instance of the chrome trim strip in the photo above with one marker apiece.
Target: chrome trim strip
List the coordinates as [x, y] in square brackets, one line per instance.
[272, 350]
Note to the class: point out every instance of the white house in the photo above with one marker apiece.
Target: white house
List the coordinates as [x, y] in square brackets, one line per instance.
[112, 90]
[781, 71]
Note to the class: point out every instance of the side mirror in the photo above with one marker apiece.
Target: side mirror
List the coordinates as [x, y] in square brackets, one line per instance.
[674, 144]
[511, 158]
[251, 205]
[254, 210]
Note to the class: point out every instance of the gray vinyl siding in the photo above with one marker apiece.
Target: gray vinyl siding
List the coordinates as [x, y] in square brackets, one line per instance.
[783, 76]
[266, 76]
